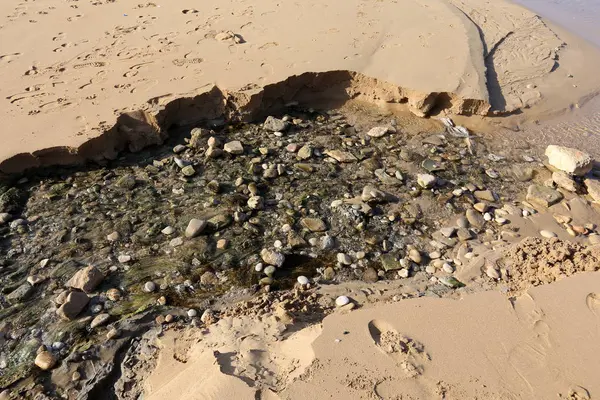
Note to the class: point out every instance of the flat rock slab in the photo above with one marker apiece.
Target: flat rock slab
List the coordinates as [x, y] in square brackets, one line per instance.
[543, 195]
[569, 160]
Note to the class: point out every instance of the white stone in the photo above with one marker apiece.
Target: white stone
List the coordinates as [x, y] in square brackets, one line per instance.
[124, 258]
[258, 267]
[192, 313]
[426, 181]
[378, 131]
[403, 273]
[234, 147]
[169, 230]
[342, 301]
[113, 237]
[569, 160]
[302, 280]
[278, 244]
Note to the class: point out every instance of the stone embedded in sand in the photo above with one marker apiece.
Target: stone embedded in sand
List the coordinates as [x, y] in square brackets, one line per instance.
[188, 171]
[314, 224]
[73, 305]
[547, 234]
[195, 227]
[269, 270]
[86, 279]
[378, 131]
[485, 195]
[593, 188]
[564, 180]
[569, 160]
[302, 280]
[426, 181]
[342, 301]
[389, 262]
[178, 241]
[113, 237]
[275, 125]
[234, 147]
[341, 156]
[272, 257]
[21, 293]
[543, 195]
[45, 360]
[522, 173]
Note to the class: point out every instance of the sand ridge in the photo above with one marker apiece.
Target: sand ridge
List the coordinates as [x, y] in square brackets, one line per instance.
[73, 68]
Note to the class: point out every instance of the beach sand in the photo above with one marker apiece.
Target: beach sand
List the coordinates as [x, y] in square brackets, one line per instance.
[70, 69]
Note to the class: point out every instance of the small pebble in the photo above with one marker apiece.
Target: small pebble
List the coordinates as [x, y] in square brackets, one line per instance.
[192, 313]
[342, 301]
[149, 287]
[547, 234]
[303, 280]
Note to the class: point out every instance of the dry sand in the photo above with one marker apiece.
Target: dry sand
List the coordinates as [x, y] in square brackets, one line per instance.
[543, 344]
[69, 69]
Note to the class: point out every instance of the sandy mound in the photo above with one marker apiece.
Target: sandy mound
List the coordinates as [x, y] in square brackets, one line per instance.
[536, 261]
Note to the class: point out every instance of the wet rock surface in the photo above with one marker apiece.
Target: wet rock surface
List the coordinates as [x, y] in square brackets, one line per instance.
[155, 237]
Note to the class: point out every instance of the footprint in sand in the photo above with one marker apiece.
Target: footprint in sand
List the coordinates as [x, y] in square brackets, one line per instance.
[407, 352]
[592, 301]
[180, 62]
[7, 58]
[95, 64]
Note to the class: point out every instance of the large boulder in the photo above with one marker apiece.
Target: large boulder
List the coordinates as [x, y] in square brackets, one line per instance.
[73, 305]
[86, 279]
[571, 161]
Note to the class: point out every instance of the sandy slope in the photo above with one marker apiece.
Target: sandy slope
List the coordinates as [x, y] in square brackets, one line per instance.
[70, 68]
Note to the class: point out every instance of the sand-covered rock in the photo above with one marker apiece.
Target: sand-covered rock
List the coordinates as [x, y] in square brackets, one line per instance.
[571, 161]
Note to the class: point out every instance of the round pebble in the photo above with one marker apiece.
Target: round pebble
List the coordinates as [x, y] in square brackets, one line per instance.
[344, 259]
[278, 244]
[192, 313]
[258, 267]
[149, 287]
[342, 301]
[487, 216]
[302, 280]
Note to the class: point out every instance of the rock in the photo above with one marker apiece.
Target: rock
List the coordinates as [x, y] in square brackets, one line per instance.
[342, 301]
[213, 152]
[208, 317]
[305, 152]
[462, 222]
[403, 273]
[219, 221]
[214, 186]
[485, 195]
[178, 241]
[569, 160]
[269, 270]
[451, 282]
[341, 156]
[426, 181]
[294, 240]
[370, 275]
[464, 234]
[113, 333]
[188, 171]
[73, 305]
[20, 294]
[475, 219]
[149, 287]
[543, 196]
[564, 180]
[415, 256]
[113, 294]
[113, 237]
[256, 202]
[99, 320]
[371, 193]
[314, 224]
[302, 280]
[432, 165]
[329, 273]
[222, 244]
[272, 257]
[4, 218]
[547, 234]
[124, 258]
[492, 272]
[448, 231]
[327, 242]
[344, 259]
[126, 182]
[192, 313]
[273, 124]
[209, 278]
[45, 360]
[86, 279]
[593, 188]
[378, 131]
[35, 279]
[522, 173]
[234, 147]
[389, 262]
[169, 230]
[195, 227]
[179, 148]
